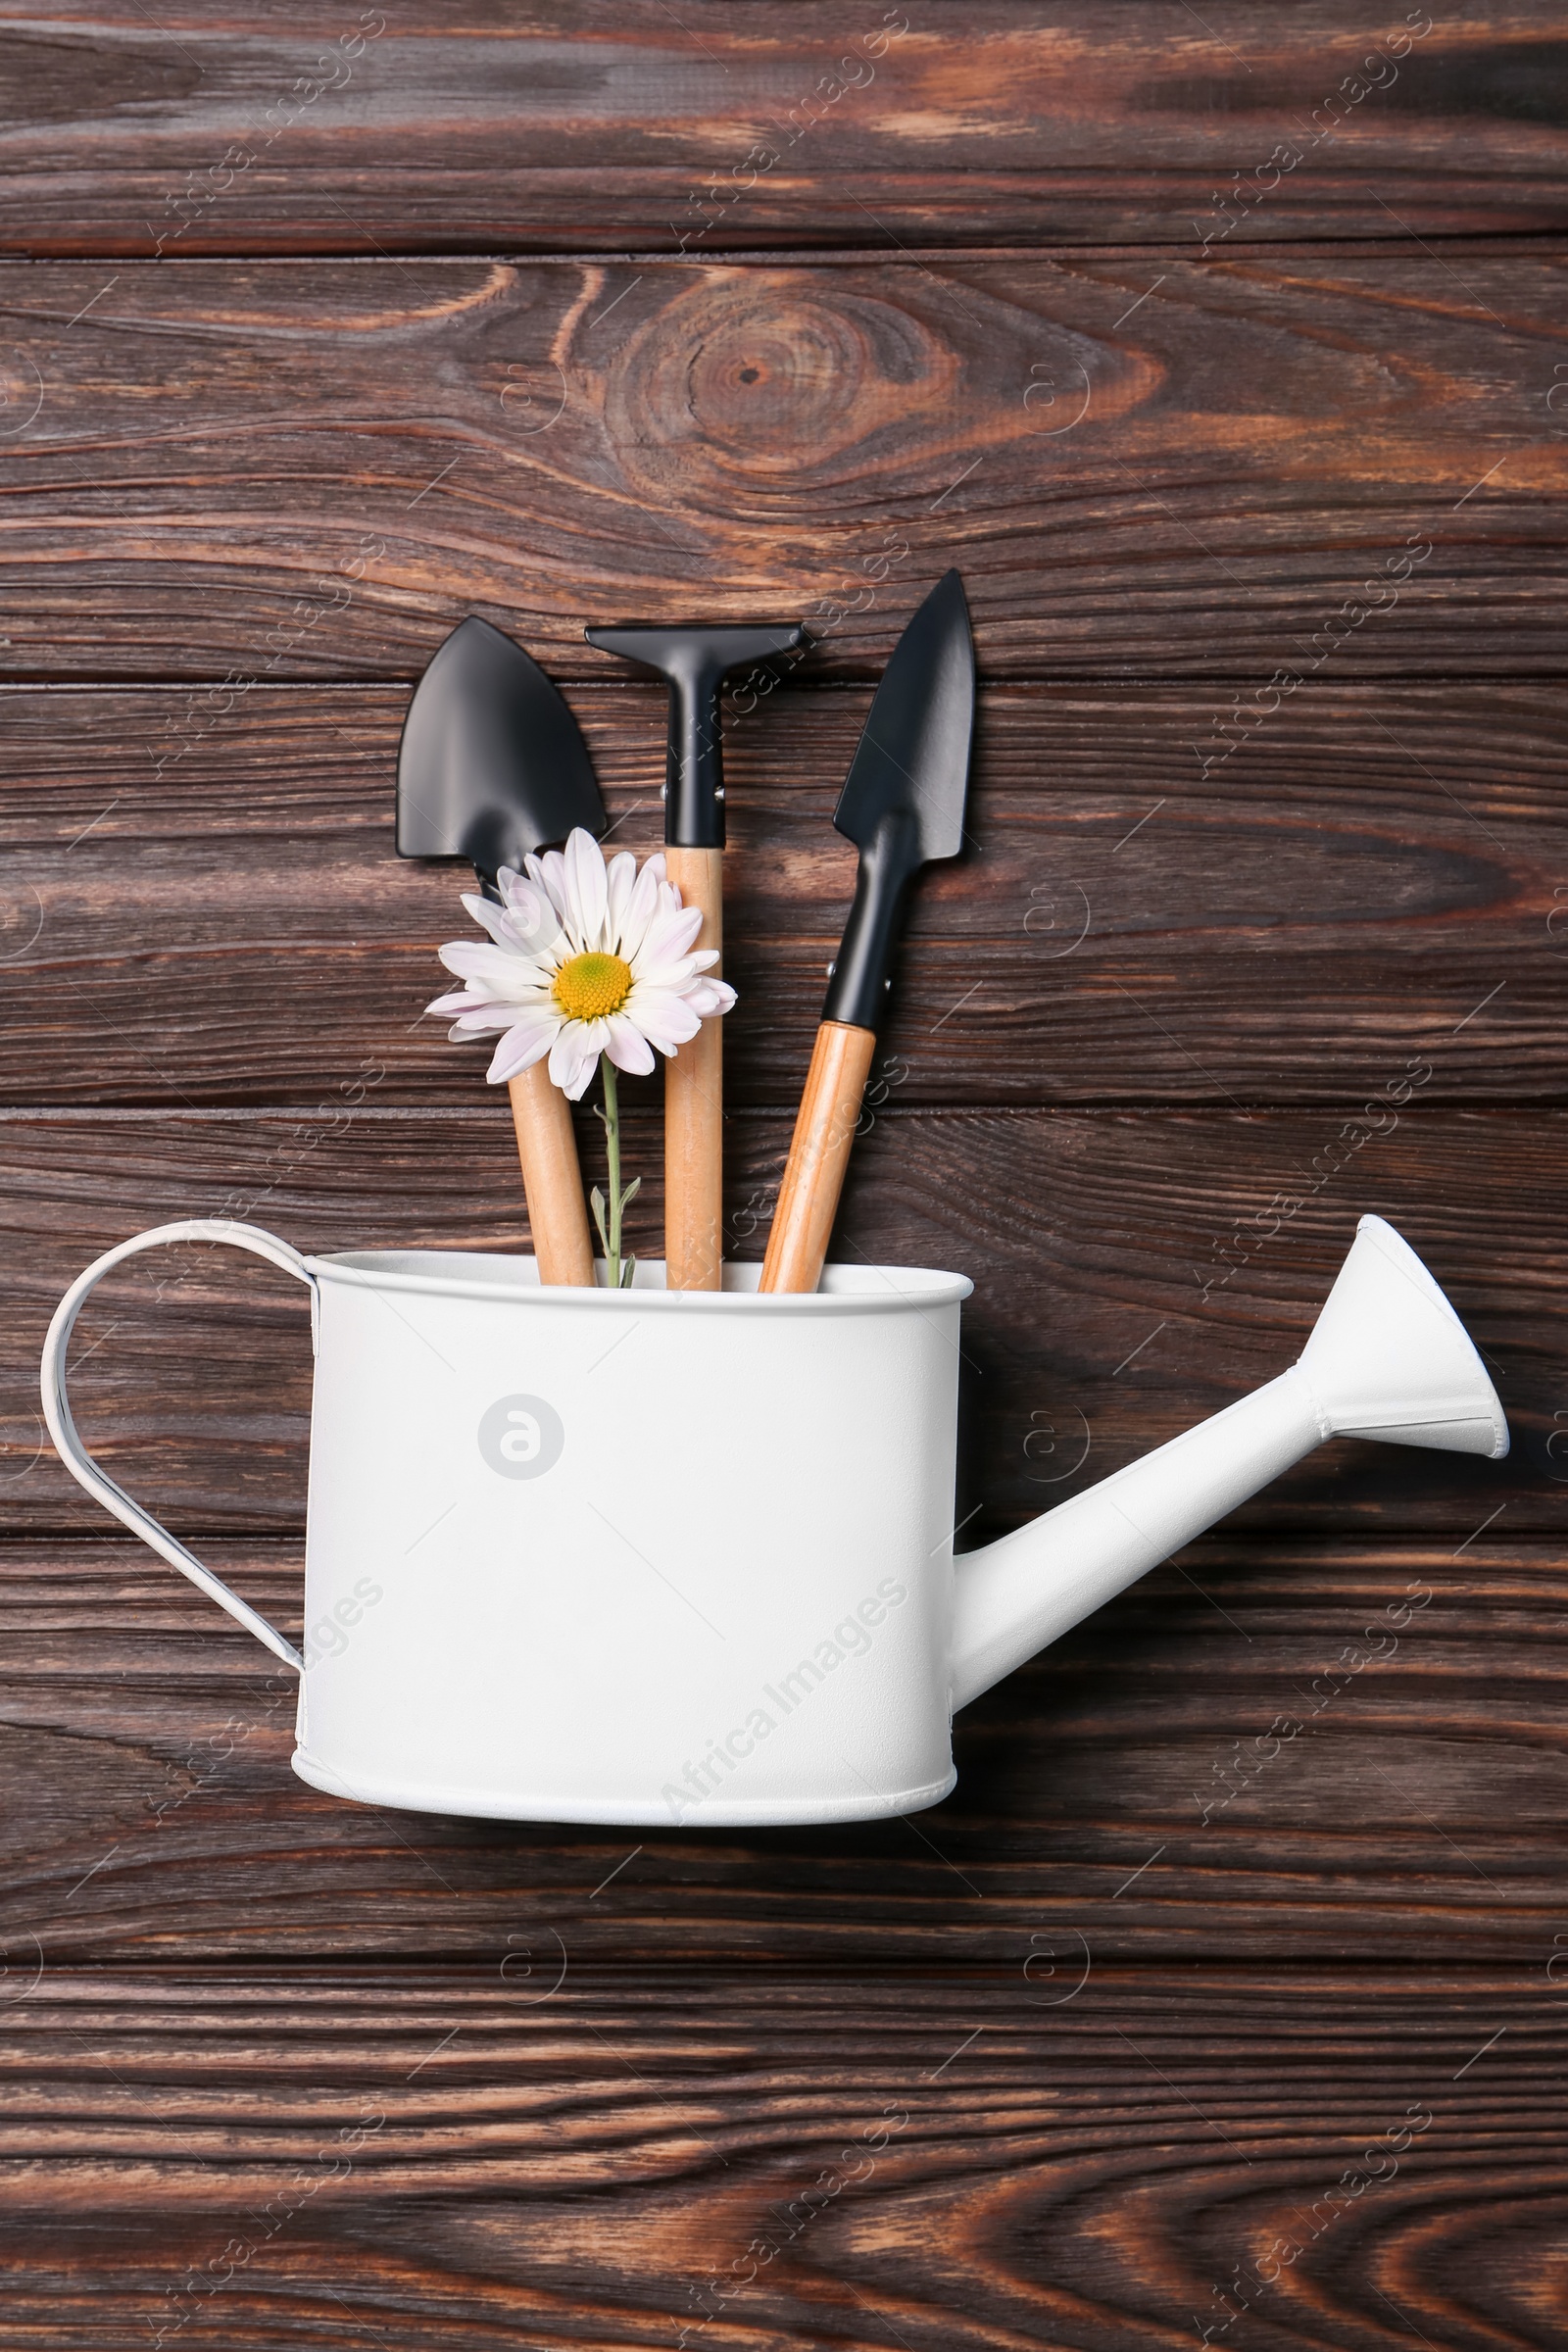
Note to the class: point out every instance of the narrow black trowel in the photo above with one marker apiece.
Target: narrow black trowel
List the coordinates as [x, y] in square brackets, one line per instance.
[903, 806]
[493, 767]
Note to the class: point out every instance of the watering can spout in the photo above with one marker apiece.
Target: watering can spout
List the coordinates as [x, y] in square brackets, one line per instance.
[1387, 1358]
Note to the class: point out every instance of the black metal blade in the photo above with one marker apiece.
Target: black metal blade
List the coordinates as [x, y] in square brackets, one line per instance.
[912, 760]
[492, 763]
[903, 799]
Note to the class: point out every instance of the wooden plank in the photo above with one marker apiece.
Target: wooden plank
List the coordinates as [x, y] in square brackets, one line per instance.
[419, 2157]
[1323, 913]
[1250, 469]
[1133, 1273]
[630, 126]
[1226, 1987]
[1351, 1755]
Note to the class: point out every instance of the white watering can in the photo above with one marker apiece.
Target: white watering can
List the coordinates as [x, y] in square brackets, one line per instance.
[686, 1558]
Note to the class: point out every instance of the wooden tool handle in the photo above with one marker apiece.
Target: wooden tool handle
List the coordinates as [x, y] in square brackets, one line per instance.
[552, 1180]
[693, 1105]
[820, 1153]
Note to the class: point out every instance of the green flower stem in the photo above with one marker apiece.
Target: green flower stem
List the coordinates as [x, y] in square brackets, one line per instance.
[607, 1072]
[608, 1214]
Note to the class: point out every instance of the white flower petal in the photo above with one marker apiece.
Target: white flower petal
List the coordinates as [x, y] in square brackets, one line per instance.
[497, 971]
[537, 937]
[627, 1046]
[673, 931]
[486, 913]
[640, 910]
[667, 1020]
[574, 1055]
[524, 1044]
[587, 888]
[530, 920]
[478, 1015]
[708, 997]
[674, 976]
[581, 1075]
[550, 872]
[620, 882]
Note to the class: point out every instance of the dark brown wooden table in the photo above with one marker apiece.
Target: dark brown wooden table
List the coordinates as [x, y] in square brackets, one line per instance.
[1227, 353]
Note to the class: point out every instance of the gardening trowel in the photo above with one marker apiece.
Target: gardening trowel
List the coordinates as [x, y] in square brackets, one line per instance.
[493, 766]
[903, 806]
[695, 663]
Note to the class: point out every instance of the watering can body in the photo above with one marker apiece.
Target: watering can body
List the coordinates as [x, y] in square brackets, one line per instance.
[686, 1558]
[635, 1561]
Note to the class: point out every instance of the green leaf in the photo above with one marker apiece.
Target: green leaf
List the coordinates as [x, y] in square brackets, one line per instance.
[596, 1201]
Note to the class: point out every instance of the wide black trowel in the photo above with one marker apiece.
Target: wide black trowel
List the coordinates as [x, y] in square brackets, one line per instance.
[493, 767]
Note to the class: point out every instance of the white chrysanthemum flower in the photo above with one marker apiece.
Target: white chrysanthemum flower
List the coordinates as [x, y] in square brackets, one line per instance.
[584, 959]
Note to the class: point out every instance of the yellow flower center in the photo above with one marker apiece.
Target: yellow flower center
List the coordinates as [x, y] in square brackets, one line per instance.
[591, 986]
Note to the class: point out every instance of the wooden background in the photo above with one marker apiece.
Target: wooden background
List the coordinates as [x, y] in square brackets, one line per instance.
[318, 329]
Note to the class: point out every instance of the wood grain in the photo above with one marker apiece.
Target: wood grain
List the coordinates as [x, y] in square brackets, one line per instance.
[694, 1101]
[630, 126]
[1380, 878]
[1324, 1753]
[1146, 466]
[810, 1189]
[562, 315]
[1133, 1273]
[1080, 2175]
[552, 1178]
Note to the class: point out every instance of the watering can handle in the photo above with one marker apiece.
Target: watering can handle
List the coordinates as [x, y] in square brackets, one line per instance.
[80, 1463]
